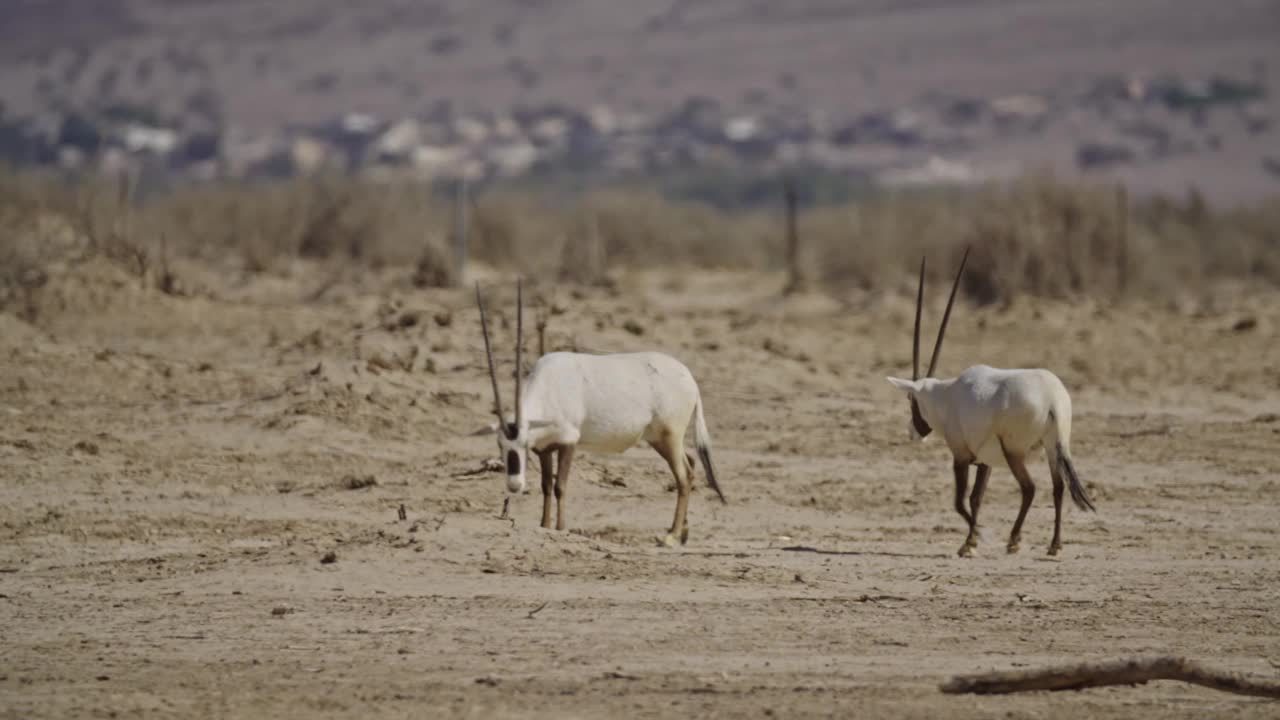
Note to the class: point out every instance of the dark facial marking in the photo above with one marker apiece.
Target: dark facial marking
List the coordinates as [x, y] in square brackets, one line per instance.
[917, 420]
[513, 462]
[512, 431]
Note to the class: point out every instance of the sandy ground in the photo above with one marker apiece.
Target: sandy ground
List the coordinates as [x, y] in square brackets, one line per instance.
[175, 469]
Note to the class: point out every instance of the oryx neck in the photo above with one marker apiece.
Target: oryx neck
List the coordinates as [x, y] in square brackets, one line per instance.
[930, 398]
[933, 385]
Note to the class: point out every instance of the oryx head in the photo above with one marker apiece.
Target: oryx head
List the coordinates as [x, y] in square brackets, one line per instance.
[513, 433]
[919, 428]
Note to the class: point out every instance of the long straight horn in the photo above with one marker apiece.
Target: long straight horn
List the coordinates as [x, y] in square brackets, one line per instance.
[488, 353]
[946, 315]
[915, 342]
[519, 345]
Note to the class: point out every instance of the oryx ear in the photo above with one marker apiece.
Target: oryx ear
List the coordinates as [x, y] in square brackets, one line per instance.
[539, 424]
[489, 429]
[904, 385]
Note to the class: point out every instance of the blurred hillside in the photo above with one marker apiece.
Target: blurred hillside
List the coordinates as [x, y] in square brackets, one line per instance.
[1161, 94]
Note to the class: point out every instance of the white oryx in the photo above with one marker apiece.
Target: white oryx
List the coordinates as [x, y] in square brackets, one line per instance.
[986, 415]
[605, 403]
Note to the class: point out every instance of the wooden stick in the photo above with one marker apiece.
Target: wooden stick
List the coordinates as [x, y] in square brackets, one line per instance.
[460, 227]
[1116, 672]
[124, 191]
[1122, 240]
[596, 256]
[795, 281]
[124, 204]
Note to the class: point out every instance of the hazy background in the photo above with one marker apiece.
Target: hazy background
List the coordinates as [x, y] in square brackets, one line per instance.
[1161, 94]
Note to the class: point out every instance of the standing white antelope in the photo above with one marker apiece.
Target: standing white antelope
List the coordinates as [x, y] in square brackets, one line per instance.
[605, 403]
[986, 415]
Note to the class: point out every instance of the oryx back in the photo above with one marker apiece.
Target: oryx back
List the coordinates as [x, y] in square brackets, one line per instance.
[1011, 407]
[609, 403]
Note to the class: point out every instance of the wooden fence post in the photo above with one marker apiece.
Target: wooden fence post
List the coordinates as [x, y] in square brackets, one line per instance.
[124, 203]
[795, 279]
[461, 206]
[1122, 240]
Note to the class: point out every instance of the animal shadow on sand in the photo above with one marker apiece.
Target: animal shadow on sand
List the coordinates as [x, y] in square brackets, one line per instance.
[863, 553]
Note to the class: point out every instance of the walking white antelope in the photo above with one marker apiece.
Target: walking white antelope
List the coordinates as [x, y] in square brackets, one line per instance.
[986, 415]
[605, 403]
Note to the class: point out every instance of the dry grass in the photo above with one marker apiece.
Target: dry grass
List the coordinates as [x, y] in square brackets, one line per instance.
[1044, 237]
[1036, 235]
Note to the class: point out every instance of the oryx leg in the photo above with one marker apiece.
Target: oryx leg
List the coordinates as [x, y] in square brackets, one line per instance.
[961, 469]
[1019, 469]
[690, 465]
[975, 502]
[545, 458]
[563, 462]
[1058, 487]
[671, 447]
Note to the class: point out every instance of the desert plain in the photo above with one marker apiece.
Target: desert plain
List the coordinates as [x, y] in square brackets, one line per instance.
[201, 498]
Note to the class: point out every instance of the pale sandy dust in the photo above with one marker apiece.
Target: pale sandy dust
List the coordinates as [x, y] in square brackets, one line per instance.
[173, 473]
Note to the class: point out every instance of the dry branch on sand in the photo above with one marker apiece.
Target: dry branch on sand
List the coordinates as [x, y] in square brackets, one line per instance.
[1119, 672]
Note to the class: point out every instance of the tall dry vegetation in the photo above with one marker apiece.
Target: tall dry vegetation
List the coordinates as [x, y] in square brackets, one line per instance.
[1036, 235]
[1048, 238]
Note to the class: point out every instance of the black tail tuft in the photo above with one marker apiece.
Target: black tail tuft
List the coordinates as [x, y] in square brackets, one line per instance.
[1078, 493]
[704, 454]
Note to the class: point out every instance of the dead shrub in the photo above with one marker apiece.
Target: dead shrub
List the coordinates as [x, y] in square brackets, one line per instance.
[1035, 235]
[1041, 236]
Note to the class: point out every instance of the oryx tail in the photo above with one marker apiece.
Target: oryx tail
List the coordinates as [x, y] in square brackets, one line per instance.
[702, 439]
[1061, 458]
[1067, 468]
